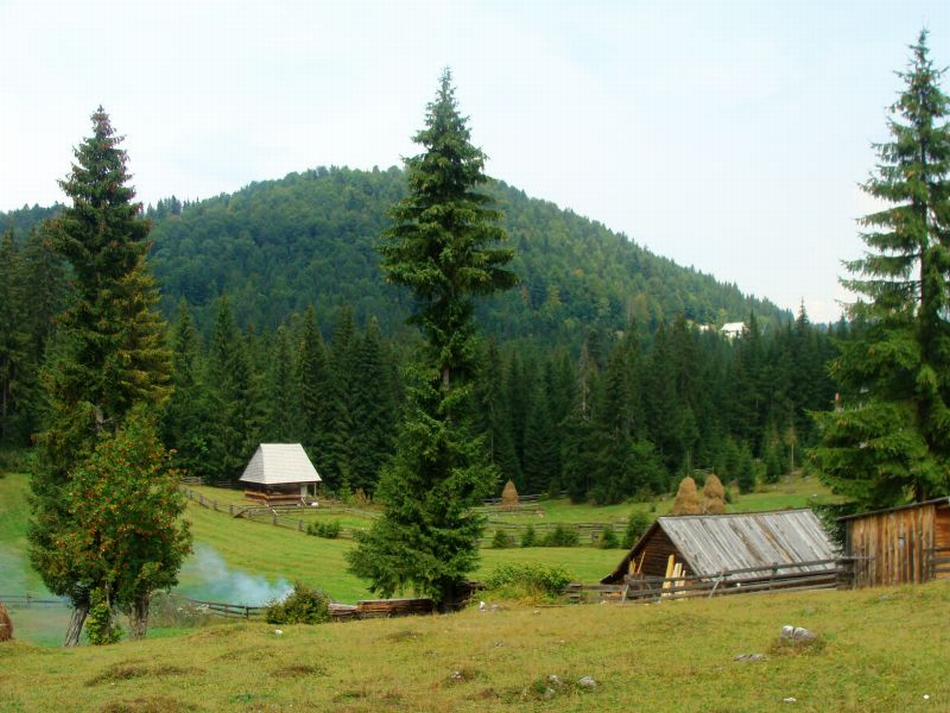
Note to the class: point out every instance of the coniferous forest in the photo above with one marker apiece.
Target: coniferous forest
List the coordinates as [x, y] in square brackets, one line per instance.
[602, 373]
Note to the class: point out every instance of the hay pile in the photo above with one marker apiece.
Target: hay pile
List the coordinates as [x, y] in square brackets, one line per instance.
[687, 500]
[509, 496]
[715, 496]
[6, 626]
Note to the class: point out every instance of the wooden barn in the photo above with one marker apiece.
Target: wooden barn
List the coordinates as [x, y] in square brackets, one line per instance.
[737, 549]
[902, 545]
[280, 473]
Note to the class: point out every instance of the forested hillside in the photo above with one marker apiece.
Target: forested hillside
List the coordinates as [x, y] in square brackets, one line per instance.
[598, 376]
[276, 247]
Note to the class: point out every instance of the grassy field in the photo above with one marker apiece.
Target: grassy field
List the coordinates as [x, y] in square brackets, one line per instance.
[878, 650]
[269, 556]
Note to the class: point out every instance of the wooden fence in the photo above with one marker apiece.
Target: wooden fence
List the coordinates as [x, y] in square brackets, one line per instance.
[365, 609]
[282, 516]
[27, 601]
[778, 577]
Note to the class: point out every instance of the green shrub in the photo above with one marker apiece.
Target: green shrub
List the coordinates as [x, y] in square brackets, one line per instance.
[608, 539]
[528, 537]
[561, 536]
[501, 540]
[527, 580]
[637, 524]
[101, 626]
[304, 605]
[330, 529]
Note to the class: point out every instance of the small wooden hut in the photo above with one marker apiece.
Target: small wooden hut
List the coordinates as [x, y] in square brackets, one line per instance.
[744, 546]
[902, 545]
[280, 473]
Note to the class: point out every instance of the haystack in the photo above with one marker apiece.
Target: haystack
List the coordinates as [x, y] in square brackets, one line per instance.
[509, 496]
[715, 496]
[687, 500]
[6, 626]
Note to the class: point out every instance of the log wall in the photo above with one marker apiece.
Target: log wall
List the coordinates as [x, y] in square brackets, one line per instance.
[901, 546]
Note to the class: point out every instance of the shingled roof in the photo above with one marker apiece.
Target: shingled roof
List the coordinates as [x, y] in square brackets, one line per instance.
[710, 544]
[280, 464]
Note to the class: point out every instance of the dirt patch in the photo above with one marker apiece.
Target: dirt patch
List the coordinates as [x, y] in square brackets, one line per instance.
[803, 647]
[151, 704]
[404, 635]
[127, 671]
[299, 670]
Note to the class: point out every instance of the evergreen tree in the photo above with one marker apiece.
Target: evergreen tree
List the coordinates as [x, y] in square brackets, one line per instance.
[491, 395]
[187, 415]
[113, 354]
[14, 344]
[317, 410]
[444, 247]
[280, 403]
[891, 438]
[234, 427]
[372, 410]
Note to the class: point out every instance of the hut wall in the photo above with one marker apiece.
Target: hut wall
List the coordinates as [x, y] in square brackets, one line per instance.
[892, 547]
[658, 550]
[941, 569]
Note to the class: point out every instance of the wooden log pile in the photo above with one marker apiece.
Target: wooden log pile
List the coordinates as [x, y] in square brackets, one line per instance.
[384, 608]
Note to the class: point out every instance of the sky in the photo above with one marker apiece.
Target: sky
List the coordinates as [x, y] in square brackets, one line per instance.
[729, 136]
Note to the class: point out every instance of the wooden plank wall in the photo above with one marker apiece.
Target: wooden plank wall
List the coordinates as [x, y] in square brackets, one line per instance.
[658, 550]
[893, 547]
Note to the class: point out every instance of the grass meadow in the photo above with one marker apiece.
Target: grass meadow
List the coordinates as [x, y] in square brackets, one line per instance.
[878, 650]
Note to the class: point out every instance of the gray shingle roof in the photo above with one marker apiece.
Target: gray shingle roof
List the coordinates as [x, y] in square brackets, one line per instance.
[280, 464]
[713, 543]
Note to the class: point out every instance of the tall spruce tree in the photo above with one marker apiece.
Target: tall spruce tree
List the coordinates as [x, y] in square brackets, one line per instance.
[113, 354]
[891, 438]
[188, 412]
[14, 343]
[443, 246]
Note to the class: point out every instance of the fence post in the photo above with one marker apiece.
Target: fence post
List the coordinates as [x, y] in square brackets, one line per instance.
[231, 509]
[772, 576]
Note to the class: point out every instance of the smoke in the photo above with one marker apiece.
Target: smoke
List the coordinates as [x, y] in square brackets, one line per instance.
[207, 576]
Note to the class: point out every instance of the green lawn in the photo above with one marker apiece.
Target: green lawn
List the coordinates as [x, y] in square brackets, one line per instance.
[879, 650]
[270, 554]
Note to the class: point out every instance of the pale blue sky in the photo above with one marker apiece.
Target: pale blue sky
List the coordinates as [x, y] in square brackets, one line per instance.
[730, 136]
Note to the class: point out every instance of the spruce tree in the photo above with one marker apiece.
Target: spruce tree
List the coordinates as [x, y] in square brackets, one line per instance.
[890, 439]
[14, 344]
[443, 246]
[188, 413]
[372, 410]
[113, 352]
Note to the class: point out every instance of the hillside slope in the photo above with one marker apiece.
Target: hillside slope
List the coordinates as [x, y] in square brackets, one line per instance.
[278, 246]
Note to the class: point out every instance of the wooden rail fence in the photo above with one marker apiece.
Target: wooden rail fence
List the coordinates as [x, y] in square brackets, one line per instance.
[778, 577]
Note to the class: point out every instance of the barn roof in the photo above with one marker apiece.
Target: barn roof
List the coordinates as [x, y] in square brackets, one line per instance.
[711, 544]
[280, 464]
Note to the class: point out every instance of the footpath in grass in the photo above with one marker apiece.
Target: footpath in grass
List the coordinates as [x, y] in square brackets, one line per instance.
[878, 650]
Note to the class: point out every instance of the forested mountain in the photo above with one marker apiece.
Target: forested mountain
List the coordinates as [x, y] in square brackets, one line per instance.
[276, 247]
[597, 376]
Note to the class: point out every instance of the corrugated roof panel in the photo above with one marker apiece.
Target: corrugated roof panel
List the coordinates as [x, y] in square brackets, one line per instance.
[714, 543]
[280, 464]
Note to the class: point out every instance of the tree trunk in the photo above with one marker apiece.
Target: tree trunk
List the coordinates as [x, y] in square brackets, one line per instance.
[138, 618]
[76, 621]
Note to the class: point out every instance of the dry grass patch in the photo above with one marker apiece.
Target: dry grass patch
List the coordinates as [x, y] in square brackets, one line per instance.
[299, 670]
[129, 670]
[151, 704]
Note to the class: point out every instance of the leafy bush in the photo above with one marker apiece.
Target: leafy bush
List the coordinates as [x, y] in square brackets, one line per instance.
[304, 605]
[608, 539]
[101, 627]
[561, 536]
[528, 537]
[637, 524]
[330, 529]
[527, 581]
[501, 540]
